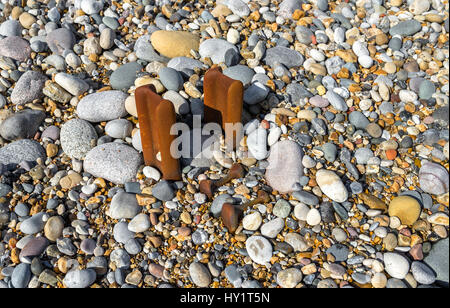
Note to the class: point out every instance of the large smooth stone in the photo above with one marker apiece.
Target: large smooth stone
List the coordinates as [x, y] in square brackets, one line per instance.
[114, 162]
[102, 106]
[406, 208]
[174, 44]
[433, 178]
[285, 166]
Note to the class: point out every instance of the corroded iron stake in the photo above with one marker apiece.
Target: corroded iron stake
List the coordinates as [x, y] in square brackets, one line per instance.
[156, 117]
[223, 104]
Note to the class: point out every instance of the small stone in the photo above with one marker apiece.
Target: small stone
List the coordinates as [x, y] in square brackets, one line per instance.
[272, 228]
[119, 128]
[331, 185]
[422, 273]
[53, 228]
[199, 274]
[289, 278]
[71, 84]
[252, 221]
[124, 205]
[313, 217]
[259, 249]
[28, 88]
[285, 166]
[123, 77]
[78, 137]
[433, 178]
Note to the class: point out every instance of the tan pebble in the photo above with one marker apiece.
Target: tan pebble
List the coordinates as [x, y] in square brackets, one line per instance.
[70, 181]
[26, 20]
[130, 106]
[53, 228]
[379, 280]
[406, 208]
[51, 149]
[174, 44]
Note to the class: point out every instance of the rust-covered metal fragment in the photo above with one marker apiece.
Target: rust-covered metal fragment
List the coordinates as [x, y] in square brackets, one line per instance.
[207, 186]
[223, 104]
[156, 117]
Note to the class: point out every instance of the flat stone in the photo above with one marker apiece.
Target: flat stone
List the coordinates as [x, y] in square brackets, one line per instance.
[80, 278]
[438, 260]
[283, 55]
[71, 84]
[15, 47]
[406, 28]
[28, 88]
[22, 125]
[289, 278]
[21, 276]
[53, 228]
[422, 273]
[60, 40]
[199, 274]
[433, 178]
[217, 50]
[102, 106]
[145, 51]
[240, 72]
[140, 223]
[123, 77]
[119, 128]
[21, 150]
[272, 228]
[33, 224]
[171, 79]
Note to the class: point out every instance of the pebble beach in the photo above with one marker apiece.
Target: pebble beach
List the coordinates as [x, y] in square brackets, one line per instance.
[354, 94]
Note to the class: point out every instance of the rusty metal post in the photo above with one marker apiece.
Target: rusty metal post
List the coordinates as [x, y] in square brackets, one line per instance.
[156, 117]
[224, 103]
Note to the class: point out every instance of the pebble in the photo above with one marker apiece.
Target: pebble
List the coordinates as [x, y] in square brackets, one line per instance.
[285, 56]
[272, 228]
[433, 178]
[15, 47]
[422, 273]
[255, 93]
[60, 40]
[22, 125]
[124, 205]
[140, 223]
[199, 274]
[313, 217]
[119, 128]
[174, 44]
[285, 167]
[123, 77]
[114, 162]
[53, 228]
[163, 191]
[259, 249]
[102, 106]
[396, 265]
[252, 221]
[331, 185]
[289, 278]
[79, 278]
[71, 84]
[406, 208]
[257, 143]
[28, 88]
[78, 137]
[21, 276]
[241, 73]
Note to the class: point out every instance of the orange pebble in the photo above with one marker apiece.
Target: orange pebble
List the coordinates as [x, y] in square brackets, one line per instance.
[391, 154]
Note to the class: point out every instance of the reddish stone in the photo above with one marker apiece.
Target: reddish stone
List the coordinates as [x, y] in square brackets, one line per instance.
[156, 117]
[391, 154]
[224, 103]
[416, 252]
[230, 216]
[156, 270]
